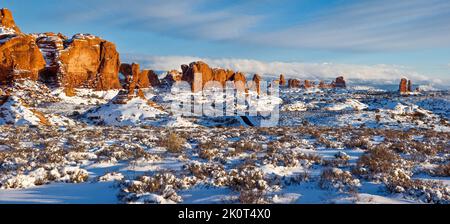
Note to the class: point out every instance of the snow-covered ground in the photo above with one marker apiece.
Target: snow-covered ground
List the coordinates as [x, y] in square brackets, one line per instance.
[361, 145]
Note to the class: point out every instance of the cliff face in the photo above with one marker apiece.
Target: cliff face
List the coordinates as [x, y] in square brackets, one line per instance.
[199, 73]
[82, 61]
[7, 21]
[20, 58]
[89, 61]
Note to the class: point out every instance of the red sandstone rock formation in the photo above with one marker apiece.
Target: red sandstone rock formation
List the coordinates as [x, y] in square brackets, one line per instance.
[136, 79]
[20, 58]
[7, 20]
[403, 88]
[152, 77]
[282, 80]
[172, 77]
[239, 80]
[257, 81]
[294, 83]
[340, 82]
[197, 74]
[307, 84]
[50, 45]
[89, 61]
[409, 86]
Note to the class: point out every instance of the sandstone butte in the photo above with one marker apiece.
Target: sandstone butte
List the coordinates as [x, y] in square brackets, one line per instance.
[19, 54]
[282, 80]
[137, 79]
[81, 61]
[197, 74]
[405, 86]
[88, 61]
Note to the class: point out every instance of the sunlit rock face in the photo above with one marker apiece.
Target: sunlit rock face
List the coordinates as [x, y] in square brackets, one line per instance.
[89, 61]
[197, 74]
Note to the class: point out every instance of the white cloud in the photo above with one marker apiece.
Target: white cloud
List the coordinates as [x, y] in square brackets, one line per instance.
[370, 26]
[382, 73]
[381, 25]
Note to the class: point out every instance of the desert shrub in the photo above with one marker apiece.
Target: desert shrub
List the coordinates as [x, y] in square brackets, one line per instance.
[253, 196]
[361, 142]
[211, 170]
[442, 170]
[243, 145]
[247, 178]
[334, 178]
[379, 160]
[163, 185]
[427, 191]
[173, 143]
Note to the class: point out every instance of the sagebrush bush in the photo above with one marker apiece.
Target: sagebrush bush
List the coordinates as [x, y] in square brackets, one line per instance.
[173, 143]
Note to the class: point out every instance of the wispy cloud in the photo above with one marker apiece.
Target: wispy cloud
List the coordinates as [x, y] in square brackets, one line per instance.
[375, 25]
[384, 73]
[371, 25]
[188, 18]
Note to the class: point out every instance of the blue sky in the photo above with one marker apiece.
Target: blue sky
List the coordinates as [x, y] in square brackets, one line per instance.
[394, 38]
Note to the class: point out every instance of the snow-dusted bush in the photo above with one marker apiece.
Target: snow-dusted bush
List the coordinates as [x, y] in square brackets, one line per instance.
[160, 188]
[426, 191]
[380, 161]
[41, 176]
[335, 178]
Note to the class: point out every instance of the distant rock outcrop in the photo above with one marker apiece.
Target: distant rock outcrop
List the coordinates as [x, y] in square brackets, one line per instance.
[294, 83]
[282, 80]
[257, 82]
[340, 82]
[308, 84]
[197, 74]
[172, 77]
[405, 86]
[137, 79]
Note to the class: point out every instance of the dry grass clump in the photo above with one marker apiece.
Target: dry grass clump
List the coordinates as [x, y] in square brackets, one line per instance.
[334, 178]
[174, 143]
